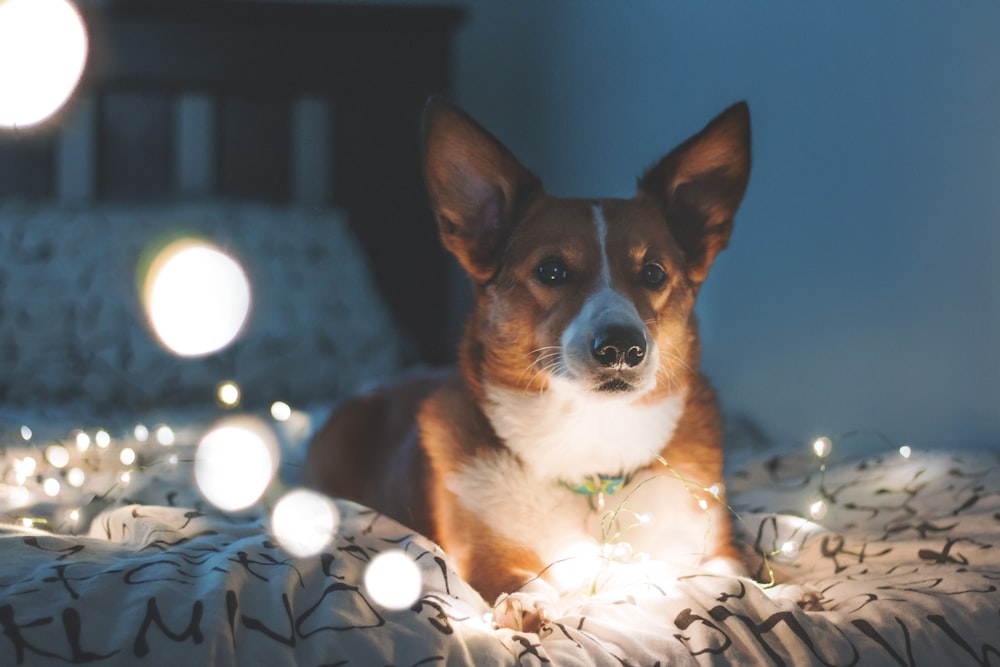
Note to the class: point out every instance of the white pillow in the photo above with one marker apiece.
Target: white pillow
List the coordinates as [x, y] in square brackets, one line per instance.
[73, 328]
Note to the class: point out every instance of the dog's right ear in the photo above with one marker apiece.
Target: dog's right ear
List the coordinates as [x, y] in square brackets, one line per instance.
[477, 187]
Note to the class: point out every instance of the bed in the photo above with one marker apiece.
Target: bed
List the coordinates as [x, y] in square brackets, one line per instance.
[302, 159]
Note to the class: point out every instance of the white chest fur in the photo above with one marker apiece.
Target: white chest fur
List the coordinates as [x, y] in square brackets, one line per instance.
[563, 434]
[655, 515]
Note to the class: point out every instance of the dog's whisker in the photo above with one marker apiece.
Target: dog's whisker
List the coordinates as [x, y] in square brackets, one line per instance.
[539, 350]
[667, 375]
[551, 367]
[666, 380]
[675, 358]
[542, 356]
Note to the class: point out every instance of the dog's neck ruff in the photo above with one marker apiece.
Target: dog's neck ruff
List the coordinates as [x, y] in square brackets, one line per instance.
[565, 433]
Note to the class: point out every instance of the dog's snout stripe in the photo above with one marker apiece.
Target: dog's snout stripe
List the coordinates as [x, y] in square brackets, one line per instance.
[601, 226]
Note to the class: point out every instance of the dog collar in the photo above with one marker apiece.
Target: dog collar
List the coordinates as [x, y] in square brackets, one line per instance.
[595, 487]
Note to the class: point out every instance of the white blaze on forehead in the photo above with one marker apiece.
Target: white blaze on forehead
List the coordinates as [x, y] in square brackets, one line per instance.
[601, 225]
[603, 307]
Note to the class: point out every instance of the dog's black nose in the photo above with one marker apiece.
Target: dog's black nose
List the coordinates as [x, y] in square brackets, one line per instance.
[619, 345]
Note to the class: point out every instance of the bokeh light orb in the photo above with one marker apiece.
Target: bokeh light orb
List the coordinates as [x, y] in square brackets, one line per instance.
[197, 298]
[235, 462]
[43, 48]
[304, 522]
[165, 435]
[51, 487]
[228, 394]
[822, 447]
[57, 455]
[82, 441]
[393, 580]
[281, 411]
[76, 477]
[127, 456]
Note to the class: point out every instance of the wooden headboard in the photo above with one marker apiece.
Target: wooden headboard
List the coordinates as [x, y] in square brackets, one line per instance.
[315, 104]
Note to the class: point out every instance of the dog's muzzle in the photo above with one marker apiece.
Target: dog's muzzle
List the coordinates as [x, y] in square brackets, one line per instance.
[607, 348]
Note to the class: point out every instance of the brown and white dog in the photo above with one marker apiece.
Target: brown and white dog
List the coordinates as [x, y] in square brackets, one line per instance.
[578, 390]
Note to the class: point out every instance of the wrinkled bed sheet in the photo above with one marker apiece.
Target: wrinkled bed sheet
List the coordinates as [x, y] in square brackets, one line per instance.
[903, 562]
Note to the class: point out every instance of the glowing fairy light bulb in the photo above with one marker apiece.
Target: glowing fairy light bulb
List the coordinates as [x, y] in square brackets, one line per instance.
[905, 451]
[715, 490]
[102, 438]
[702, 503]
[304, 522]
[43, 48]
[82, 441]
[26, 433]
[790, 549]
[622, 552]
[127, 456]
[57, 455]
[281, 411]
[228, 394]
[822, 447]
[74, 515]
[165, 436]
[197, 298]
[24, 468]
[75, 477]
[140, 432]
[817, 510]
[51, 487]
[393, 580]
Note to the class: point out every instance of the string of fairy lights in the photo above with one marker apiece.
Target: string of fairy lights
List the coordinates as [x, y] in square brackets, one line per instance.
[69, 469]
[615, 549]
[234, 466]
[60, 483]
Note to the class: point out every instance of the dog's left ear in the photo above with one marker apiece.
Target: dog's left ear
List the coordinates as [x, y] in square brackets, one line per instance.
[701, 184]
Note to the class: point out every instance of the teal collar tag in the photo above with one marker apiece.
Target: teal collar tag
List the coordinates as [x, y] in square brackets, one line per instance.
[596, 487]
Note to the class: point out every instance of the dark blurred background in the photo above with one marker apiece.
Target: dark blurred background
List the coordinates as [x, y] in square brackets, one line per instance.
[861, 289]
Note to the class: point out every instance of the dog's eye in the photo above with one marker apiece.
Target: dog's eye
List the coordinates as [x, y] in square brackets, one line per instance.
[552, 272]
[653, 276]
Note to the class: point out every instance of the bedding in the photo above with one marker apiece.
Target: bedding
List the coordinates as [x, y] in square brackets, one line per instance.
[897, 553]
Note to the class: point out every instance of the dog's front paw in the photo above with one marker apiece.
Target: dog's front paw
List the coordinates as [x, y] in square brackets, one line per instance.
[523, 611]
[806, 597]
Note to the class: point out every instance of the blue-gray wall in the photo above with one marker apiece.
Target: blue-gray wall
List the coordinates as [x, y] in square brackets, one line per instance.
[862, 285]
